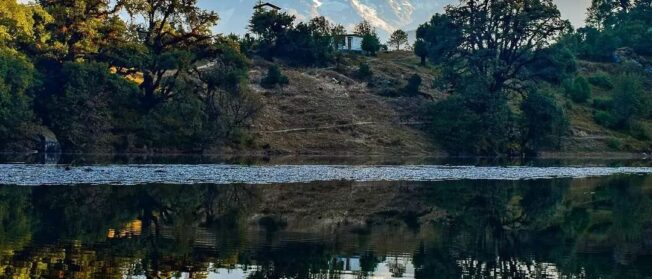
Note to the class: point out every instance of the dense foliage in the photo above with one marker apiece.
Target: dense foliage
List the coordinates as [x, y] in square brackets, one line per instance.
[491, 52]
[524, 56]
[17, 81]
[103, 84]
[612, 25]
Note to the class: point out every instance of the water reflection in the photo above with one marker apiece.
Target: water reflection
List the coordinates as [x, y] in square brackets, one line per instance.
[563, 228]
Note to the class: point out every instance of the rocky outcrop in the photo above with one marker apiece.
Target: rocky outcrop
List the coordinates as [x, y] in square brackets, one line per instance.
[626, 55]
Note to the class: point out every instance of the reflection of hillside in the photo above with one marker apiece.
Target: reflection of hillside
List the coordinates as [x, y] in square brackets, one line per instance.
[340, 229]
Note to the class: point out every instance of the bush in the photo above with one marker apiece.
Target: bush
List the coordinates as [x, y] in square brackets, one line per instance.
[638, 130]
[274, 77]
[614, 143]
[603, 104]
[472, 122]
[364, 71]
[601, 80]
[178, 122]
[544, 122]
[604, 119]
[412, 88]
[555, 64]
[579, 89]
[630, 99]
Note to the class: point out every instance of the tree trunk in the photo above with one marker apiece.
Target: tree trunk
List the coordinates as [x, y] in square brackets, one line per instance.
[423, 60]
[149, 97]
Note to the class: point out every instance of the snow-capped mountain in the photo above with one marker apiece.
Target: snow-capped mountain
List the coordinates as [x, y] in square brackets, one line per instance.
[385, 15]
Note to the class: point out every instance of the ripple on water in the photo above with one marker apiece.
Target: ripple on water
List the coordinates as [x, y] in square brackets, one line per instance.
[33, 175]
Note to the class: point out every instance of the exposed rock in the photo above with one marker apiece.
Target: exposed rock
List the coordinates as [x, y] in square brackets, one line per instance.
[626, 55]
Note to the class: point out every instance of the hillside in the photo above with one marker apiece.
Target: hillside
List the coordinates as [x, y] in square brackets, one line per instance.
[324, 111]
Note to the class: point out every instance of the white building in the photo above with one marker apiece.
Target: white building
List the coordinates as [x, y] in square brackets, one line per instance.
[350, 42]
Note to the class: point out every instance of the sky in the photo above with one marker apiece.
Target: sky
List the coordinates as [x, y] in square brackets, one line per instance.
[382, 13]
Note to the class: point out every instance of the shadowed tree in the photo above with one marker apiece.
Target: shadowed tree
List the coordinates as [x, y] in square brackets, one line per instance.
[500, 38]
[270, 27]
[363, 28]
[421, 50]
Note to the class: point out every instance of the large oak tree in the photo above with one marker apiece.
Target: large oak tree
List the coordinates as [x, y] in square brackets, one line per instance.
[495, 39]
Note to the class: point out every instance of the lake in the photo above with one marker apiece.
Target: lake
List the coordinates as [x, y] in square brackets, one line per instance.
[325, 219]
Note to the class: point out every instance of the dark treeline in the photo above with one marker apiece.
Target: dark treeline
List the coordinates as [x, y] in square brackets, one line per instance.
[509, 63]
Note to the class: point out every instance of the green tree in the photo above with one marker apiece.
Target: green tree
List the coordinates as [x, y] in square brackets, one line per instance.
[309, 43]
[631, 102]
[270, 27]
[554, 64]
[473, 122]
[363, 28]
[421, 50]
[371, 43]
[398, 38]
[544, 122]
[364, 71]
[412, 87]
[578, 89]
[91, 107]
[495, 39]
[172, 37]
[440, 37]
[274, 77]
[498, 45]
[338, 33]
[229, 105]
[23, 26]
[82, 28]
[615, 24]
[17, 79]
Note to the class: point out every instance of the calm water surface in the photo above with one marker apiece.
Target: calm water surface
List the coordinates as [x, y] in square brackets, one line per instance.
[545, 227]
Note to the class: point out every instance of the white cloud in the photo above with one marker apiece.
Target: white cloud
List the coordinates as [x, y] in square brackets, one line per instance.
[371, 15]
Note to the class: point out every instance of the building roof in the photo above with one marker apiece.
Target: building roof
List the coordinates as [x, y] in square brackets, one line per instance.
[350, 35]
[267, 4]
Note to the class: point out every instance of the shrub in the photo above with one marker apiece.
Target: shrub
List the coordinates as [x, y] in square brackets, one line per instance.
[555, 64]
[178, 122]
[603, 104]
[630, 100]
[638, 130]
[579, 89]
[412, 87]
[544, 122]
[601, 80]
[472, 122]
[364, 71]
[604, 119]
[614, 143]
[274, 77]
